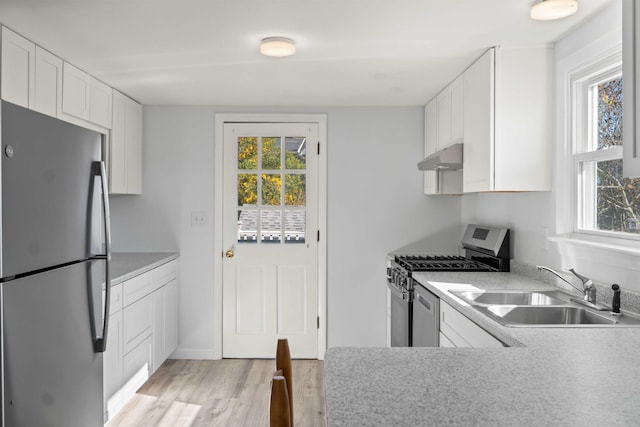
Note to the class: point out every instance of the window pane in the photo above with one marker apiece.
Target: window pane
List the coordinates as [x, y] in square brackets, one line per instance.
[271, 184]
[295, 190]
[247, 226]
[296, 152]
[617, 199]
[247, 189]
[271, 155]
[247, 153]
[294, 226]
[610, 113]
[270, 226]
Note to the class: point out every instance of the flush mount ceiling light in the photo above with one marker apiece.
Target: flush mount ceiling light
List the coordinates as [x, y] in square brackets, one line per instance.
[548, 10]
[277, 47]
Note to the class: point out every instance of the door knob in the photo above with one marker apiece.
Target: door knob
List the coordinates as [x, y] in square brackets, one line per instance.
[229, 253]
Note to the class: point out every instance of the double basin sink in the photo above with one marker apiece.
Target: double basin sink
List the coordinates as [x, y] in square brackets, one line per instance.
[539, 308]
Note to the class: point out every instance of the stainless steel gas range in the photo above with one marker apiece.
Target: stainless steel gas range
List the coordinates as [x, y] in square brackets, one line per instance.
[486, 249]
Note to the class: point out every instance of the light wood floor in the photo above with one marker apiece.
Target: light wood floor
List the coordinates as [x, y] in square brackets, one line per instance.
[228, 392]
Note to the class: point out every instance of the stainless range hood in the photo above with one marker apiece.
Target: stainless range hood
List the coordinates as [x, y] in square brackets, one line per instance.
[449, 158]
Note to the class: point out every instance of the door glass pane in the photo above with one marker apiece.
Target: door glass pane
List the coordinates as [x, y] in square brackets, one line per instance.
[295, 190]
[295, 225]
[617, 199]
[247, 189]
[296, 152]
[270, 226]
[247, 225]
[271, 153]
[247, 153]
[271, 184]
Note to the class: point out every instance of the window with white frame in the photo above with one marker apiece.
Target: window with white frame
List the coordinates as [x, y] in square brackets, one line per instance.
[606, 203]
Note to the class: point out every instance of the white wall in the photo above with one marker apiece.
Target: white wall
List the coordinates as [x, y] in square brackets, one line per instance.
[375, 205]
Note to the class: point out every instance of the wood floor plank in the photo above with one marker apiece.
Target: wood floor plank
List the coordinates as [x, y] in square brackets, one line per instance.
[228, 392]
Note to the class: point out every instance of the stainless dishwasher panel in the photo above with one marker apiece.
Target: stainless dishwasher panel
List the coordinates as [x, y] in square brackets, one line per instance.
[401, 315]
[426, 318]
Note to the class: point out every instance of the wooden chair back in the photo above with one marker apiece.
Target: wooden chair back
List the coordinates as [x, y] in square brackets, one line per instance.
[279, 414]
[283, 361]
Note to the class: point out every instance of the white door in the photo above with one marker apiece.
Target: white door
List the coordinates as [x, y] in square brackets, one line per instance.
[270, 217]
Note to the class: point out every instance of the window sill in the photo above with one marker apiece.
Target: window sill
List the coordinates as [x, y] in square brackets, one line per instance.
[596, 243]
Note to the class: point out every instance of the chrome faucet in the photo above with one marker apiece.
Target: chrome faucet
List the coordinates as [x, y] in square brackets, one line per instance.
[587, 285]
[588, 288]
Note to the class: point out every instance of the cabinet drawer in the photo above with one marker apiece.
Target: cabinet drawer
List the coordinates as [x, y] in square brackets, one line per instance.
[115, 304]
[445, 341]
[138, 358]
[136, 323]
[452, 338]
[164, 273]
[461, 330]
[136, 369]
[136, 288]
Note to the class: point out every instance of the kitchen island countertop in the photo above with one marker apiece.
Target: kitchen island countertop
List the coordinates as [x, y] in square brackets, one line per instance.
[126, 265]
[549, 376]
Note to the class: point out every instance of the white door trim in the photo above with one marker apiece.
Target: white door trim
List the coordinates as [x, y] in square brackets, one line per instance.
[220, 120]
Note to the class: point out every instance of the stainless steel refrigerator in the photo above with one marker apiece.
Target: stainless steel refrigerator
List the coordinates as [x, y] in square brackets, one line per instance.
[54, 264]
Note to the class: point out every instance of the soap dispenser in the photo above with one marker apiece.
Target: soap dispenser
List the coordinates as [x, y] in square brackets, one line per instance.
[615, 302]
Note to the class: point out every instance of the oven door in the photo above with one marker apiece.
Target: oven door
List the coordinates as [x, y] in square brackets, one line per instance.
[401, 313]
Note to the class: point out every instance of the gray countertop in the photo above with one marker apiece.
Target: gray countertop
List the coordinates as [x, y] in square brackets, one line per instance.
[126, 265]
[550, 376]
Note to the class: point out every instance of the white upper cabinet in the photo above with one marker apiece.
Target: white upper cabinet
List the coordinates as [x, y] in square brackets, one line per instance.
[507, 121]
[100, 103]
[85, 97]
[430, 141]
[443, 101]
[48, 82]
[17, 69]
[75, 92]
[457, 110]
[126, 146]
[478, 126]
[443, 122]
[631, 72]
[450, 114]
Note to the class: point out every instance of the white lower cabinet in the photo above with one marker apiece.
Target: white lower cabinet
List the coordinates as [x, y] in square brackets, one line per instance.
[164, 324]
[458, 331]
[112, 363]
[143, 332]
[445, 342]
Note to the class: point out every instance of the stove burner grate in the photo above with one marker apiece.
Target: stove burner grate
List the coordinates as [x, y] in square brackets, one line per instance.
[413, 263]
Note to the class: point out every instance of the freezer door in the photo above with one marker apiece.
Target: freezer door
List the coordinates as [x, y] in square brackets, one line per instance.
[47, 181]
[52, 375]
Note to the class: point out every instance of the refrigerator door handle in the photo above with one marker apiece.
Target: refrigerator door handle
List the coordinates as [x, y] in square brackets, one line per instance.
[100, 344]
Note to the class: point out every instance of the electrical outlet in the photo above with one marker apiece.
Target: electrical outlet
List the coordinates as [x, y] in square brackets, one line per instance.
[198, 219]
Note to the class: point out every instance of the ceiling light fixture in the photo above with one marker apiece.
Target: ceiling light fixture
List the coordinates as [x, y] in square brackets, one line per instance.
[277, 47]
[549, 10]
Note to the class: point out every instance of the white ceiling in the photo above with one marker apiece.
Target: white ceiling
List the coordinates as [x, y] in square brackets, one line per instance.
[350, 52]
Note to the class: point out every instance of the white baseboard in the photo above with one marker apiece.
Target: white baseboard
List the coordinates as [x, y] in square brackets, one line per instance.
[194, 353]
